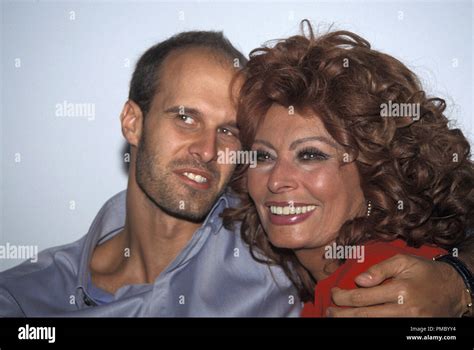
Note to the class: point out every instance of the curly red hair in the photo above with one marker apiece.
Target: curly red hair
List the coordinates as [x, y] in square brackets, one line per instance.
[417, 173]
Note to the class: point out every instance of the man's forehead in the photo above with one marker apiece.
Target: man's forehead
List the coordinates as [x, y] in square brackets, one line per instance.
[184, 65]
[191, 78]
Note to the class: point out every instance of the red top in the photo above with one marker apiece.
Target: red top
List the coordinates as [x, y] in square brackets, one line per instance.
[343, 277]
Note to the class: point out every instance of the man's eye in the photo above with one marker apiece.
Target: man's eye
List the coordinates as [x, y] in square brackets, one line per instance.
[186, 119]
[226, 132]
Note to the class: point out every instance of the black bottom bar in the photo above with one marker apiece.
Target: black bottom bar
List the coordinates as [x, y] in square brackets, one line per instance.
[380, 333]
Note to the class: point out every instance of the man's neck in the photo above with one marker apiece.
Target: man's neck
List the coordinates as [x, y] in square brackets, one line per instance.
[155, 237]
[149, 242]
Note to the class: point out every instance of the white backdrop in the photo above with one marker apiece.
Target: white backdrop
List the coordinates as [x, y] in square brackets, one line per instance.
[57, 168]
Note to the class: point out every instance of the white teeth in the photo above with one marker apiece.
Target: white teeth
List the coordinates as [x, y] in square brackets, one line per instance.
[291, 210]
[196, 178]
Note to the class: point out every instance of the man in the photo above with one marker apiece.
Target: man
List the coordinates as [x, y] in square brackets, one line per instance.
[160, 248]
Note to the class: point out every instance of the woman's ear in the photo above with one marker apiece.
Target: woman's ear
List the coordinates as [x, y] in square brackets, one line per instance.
[131, 119]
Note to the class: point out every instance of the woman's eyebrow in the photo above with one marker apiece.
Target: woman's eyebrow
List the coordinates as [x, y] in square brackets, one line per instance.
[313, 138]
[263, 142]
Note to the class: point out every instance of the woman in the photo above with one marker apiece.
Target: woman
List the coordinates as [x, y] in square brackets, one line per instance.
[355, 164]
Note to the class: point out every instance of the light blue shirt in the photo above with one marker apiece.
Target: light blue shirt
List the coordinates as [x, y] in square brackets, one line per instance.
[214, 275]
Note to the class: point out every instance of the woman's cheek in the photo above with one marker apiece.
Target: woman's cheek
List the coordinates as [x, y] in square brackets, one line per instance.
[323, 181]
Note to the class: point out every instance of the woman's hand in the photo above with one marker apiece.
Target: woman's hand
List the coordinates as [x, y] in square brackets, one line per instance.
[418, 288]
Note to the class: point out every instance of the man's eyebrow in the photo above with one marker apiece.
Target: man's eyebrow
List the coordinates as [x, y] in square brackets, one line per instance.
[232, 124]
[184, 110]
[313, 138]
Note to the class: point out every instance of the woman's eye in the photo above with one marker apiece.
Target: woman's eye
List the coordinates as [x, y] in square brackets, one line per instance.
[263, 156]
[312, 154]
[186, 119]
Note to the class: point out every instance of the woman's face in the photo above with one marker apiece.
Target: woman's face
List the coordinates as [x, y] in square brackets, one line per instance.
[302, 188]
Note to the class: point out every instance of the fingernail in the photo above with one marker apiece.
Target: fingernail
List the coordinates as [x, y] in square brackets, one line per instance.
[365, 276]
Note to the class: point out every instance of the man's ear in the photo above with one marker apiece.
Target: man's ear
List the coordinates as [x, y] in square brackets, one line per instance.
[131, 119]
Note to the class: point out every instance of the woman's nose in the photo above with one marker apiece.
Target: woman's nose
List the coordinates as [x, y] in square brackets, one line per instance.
[282, 178]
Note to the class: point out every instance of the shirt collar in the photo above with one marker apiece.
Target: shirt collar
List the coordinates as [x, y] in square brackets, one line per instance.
[213, 219]
[111, 219]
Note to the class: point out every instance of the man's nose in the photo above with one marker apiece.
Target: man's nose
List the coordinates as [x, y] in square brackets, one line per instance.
[204, 147]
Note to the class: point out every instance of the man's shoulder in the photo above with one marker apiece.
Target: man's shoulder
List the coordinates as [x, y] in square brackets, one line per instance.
[66, 256]
[52, 272]
[237, 257]
[57, 257]
[227, 263]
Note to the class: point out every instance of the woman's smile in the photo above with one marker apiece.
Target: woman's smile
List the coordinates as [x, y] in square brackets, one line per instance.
[289, 213]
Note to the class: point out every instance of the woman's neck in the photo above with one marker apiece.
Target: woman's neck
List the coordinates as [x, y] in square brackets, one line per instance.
[313, 259]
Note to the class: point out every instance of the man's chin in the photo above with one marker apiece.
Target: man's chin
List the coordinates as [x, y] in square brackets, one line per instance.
[189, 205]
[196, 215]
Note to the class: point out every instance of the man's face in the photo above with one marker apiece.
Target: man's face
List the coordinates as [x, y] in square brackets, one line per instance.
[191, 119]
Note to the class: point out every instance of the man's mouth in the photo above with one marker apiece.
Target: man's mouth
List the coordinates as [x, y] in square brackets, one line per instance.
[196, 178]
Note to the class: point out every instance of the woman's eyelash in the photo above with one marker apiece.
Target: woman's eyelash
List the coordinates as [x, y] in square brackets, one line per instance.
[308, 154]
[263, 156]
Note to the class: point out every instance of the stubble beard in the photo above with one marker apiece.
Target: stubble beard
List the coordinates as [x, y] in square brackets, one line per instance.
[167, 192]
